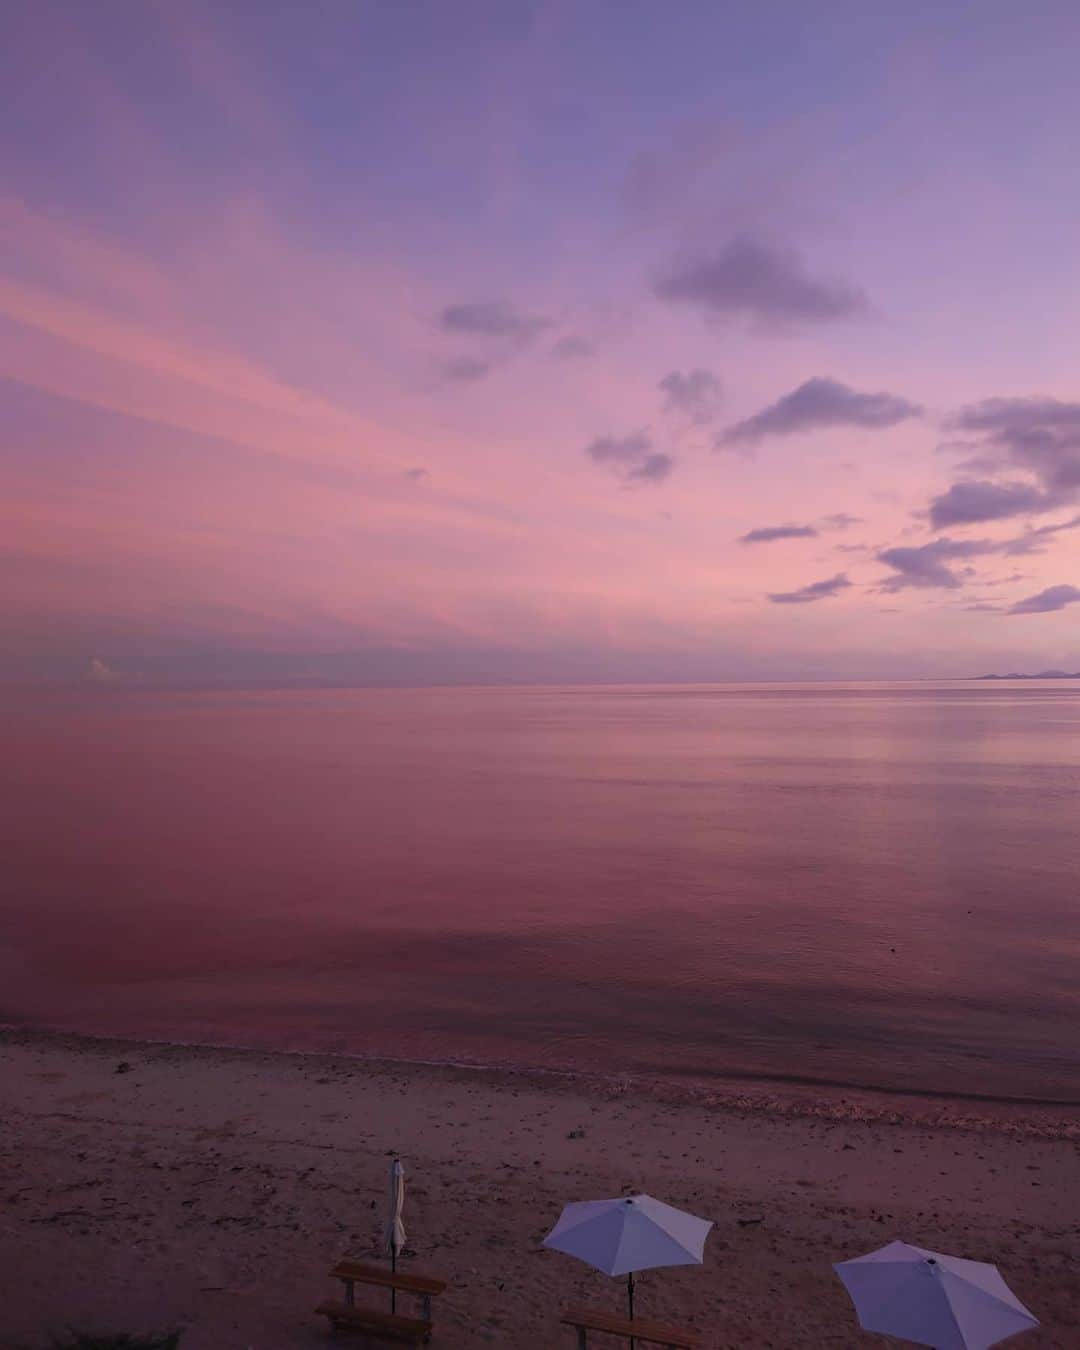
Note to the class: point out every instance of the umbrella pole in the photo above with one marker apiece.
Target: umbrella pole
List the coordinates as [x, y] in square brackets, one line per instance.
[393, 1271]
[630, 1300]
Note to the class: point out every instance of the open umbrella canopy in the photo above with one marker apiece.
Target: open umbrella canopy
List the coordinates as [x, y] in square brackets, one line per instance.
[933, 1299]
[629, 1234]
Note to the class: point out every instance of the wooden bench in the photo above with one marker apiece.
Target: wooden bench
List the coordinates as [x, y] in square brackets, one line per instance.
[387, 1326]
[641, 1329]
[383, 1326]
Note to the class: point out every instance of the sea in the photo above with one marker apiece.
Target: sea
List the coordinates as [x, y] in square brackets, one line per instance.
[855, 885]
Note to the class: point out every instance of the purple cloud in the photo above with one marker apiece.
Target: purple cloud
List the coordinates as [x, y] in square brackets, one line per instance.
[816, 590]
[753, 280]
[693, 395]
[840, 520]
[820, 402]
[929, 565]
[1053, 598]
[1031, 540]
[465, 369]
[572, 348]
[766, 534]
[976, 500]
[493, 319]
[1040, 436]
[652, 469]
[632, 457]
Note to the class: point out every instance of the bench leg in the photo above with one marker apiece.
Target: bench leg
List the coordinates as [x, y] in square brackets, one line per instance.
[581, 1341]
[425, 1303]
[350, 1293]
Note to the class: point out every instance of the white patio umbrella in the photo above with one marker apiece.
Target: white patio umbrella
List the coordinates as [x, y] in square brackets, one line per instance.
[394, 1237]
[621, 1237]
[932, 1299]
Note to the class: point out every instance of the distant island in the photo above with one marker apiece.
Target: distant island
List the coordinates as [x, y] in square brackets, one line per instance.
[1042, 675]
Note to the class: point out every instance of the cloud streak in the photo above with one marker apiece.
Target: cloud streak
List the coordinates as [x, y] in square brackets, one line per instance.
[818, 403]
[492, 319]
[1048, 601]
[767, 534]
[816, 590]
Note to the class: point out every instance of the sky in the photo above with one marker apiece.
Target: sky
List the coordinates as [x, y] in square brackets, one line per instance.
[571, 340]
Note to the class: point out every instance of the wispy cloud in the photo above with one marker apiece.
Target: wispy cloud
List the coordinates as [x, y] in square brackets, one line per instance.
[465, 369]
[97, 672]
[493, 319]
[819, 402]
[572, 348]
[632, 457]
[750, 279]
[816, 590]
[693, 394]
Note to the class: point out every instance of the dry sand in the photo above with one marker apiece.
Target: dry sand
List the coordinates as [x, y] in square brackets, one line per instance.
[211, 1189]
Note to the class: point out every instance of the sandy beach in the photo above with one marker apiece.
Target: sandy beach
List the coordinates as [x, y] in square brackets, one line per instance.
[211, 1189]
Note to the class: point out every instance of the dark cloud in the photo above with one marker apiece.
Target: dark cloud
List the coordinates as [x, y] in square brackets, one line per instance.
[820, 402]
[765, 534]
[572, 348]
[465, 369]
[693, 395]
[931, 565]
[1053, 598]
[493, 319]
[632, 457]
[415, 475]
[1039, 436]
[983, 607]
[973, 501]
[753, 280]
[817, 590]
[840, 520]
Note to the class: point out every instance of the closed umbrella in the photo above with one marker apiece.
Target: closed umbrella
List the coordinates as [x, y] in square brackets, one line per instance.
[395, 1229]
[932, 1299]
[621, 1237]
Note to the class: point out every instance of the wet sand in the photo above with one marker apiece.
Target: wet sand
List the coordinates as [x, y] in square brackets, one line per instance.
[212, 1189]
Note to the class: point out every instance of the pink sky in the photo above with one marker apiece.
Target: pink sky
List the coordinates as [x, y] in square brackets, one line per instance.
[341, 346]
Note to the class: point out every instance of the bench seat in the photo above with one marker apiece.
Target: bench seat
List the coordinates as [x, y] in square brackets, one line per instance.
[383, 1326]
[362, 1273]
[641, 1329]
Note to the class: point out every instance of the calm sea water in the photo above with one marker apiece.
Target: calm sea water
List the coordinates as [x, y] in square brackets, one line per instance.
[864, 884]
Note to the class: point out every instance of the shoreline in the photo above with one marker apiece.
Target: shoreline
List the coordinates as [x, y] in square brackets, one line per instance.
[750, 1094]
[149, 1186]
